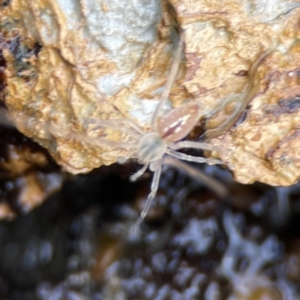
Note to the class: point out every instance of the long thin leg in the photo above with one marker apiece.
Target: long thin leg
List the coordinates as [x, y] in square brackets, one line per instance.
[122, 125]
[193, 158]
[129, 154]
[170, 81]
[213, 184]
[154, 187]
[215, 132]
[101, 142]
[151, 196]
[195, 145]
[135, 126]
[139, 173]
[245, 97]
[67, 133]
[118, 128]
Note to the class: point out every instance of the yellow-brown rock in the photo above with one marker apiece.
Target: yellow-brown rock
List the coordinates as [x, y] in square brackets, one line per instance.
[109, 60]
[265, 146]
[97, 61]
[243, 62]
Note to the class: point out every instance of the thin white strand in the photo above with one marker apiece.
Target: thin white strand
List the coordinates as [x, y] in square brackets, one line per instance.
[191, 158]
[194, 145]
[135, 126]
[101, 142]
[111, 144]
[216, 186]
[122, 125]
[151, 196]
[170, 81]
[130, 154]
[139, 173]
[245, 97]
[125, 130]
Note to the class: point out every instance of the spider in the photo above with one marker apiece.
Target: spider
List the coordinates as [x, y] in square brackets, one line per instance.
[164, 138]
[150, 148]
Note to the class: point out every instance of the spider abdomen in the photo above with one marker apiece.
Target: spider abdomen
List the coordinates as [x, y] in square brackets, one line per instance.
[178, 123]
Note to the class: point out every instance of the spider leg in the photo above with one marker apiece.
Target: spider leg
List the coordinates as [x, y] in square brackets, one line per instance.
[154, 187]
[200, 160]
[195, 145]
[101, 142]
[216, 186]
[109, 143]
[130, 154]
[139, 173]
[242, 99]
[135, 126]
[121, 125]
[215, 132]
[52, 129]
[170, 81]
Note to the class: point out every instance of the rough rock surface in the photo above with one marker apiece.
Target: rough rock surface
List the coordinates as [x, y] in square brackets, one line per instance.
[101, 61]
[243, 62]
[95, 63]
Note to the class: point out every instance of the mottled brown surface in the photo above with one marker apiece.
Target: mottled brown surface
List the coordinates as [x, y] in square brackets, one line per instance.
[265, 146]
[241, 66]
[65, 90]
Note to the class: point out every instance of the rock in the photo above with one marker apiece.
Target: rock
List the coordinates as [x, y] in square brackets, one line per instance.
[243, 67]
[97, 61]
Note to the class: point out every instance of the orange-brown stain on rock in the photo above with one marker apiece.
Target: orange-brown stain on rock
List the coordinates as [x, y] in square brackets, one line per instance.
[256, 137]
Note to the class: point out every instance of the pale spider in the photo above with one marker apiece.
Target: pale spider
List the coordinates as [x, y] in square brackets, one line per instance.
[164, 137]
